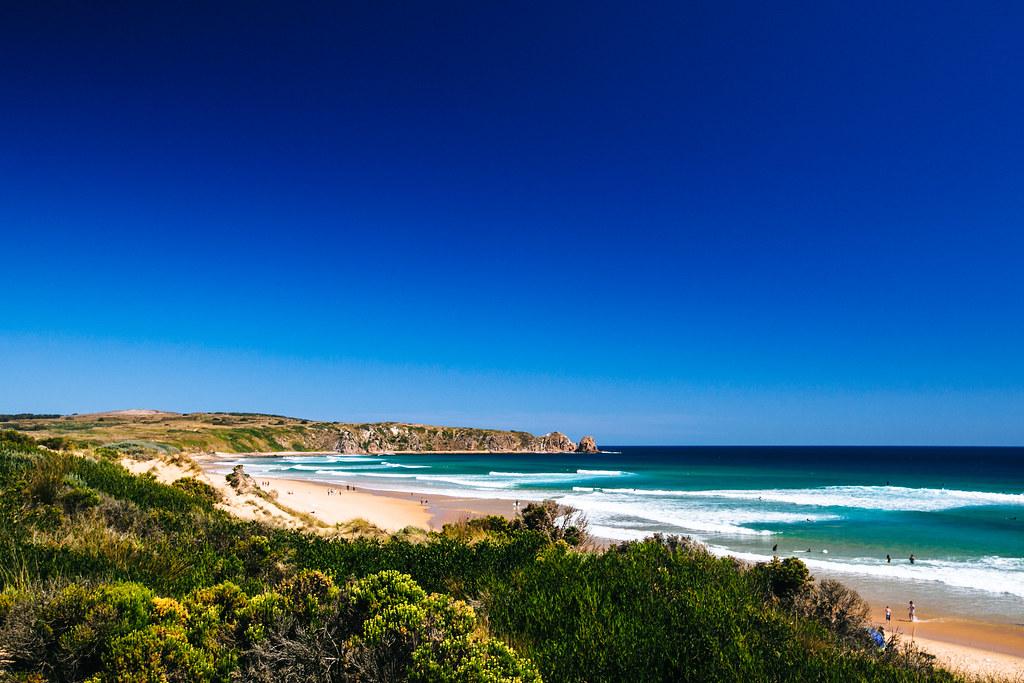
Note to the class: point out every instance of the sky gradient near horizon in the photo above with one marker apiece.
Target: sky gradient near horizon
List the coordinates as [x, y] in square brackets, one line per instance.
[673, 223]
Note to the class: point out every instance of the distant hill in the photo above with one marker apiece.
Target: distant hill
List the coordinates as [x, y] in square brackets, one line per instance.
[253, 432]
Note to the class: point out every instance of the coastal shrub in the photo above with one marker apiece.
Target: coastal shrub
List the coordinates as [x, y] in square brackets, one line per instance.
[15, 439]
[78, 499]
[480, 528]
[838, 608]
[156, 653]
[55, 443]
[557, 522]
[198, 489]
[784, 580]
[46, 478]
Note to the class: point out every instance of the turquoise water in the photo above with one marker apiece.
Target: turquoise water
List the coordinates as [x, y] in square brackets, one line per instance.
[960, 511]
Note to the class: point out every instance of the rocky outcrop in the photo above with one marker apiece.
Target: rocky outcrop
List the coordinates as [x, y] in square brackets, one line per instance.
[240, 481]
[389, 437]
[587, 445]
[555, 442]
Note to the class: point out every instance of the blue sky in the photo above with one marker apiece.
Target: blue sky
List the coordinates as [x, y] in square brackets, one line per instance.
[679, 223]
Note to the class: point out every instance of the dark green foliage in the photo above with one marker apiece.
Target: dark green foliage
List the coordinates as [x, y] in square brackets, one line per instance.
[784, 580]
[120, 577]
[198, 489]
[13, 439]
[55, 443]
[557, 522]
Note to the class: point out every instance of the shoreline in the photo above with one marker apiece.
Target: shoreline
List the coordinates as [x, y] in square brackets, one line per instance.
[977, 647]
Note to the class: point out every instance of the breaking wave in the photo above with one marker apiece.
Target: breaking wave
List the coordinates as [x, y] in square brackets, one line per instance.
[894, 498]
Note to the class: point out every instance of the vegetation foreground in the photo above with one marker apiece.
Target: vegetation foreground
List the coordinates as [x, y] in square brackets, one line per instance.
[108, 576]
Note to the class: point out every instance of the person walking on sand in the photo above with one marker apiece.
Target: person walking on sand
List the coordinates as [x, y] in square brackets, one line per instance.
[888, 615]
[912, 612]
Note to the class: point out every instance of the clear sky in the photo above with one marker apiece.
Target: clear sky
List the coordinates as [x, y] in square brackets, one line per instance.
[654, 222]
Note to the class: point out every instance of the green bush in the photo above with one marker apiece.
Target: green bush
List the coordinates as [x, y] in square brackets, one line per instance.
[557, 522]
[198, 489]
[783, 579]
[156, 654]
[46, 478]
[78, 499]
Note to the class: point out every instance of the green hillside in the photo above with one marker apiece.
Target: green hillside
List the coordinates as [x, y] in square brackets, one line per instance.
[249, 432]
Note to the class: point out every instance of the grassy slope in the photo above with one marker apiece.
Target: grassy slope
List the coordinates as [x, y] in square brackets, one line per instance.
[645, 611]
[226, 432]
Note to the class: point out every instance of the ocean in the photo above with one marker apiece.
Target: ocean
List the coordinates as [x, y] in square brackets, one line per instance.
[959, 511]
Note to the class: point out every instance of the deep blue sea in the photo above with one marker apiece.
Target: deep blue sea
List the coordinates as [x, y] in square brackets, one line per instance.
[960, 511]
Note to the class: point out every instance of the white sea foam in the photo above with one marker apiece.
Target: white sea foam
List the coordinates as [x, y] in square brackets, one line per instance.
[385, 463]
[327, 458]
[603, 473]
[535, 475]
[649, 515]
[867, 497]
[1003, 575]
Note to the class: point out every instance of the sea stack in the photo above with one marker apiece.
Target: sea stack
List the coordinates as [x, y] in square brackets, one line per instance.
[587, 445]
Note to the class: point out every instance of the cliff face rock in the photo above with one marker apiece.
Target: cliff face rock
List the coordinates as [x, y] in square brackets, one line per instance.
[394, 437]
[587, 445]
[556, 442]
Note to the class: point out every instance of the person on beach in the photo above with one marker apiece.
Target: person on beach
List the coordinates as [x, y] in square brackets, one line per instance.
[911, 558]
[912, 611]
[888, 615]
[888, 559]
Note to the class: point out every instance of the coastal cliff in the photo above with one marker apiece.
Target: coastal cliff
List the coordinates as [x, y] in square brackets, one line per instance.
[142, 430]
[397, 437]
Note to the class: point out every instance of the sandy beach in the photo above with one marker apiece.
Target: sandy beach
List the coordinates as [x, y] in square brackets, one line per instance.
[982, 648]
[987, 649]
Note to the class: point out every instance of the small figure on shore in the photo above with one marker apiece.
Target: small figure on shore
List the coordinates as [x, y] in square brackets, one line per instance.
[912, 558]
[888, 559]
[888, 615]
[775, 547]
[912, 611]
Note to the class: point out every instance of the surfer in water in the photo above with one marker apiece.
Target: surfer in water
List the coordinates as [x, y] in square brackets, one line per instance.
[888, 559]
[912, 558]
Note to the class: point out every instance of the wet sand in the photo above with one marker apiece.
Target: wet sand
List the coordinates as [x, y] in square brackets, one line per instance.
[960, 644]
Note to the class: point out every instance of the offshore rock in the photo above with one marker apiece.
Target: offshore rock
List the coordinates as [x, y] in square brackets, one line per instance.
[587, 445]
